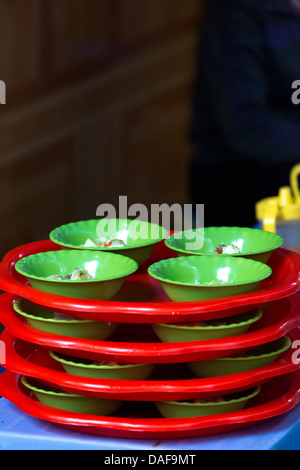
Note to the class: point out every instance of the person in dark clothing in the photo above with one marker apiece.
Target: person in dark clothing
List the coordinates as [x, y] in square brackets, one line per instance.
[246, 126]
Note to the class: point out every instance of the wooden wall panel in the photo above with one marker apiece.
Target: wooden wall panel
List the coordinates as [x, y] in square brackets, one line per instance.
[93, 171]
[98, 106]
[37, 191]
[81, 32]
[189, 12]
[20, 42]
[139, 20]
[155, 150]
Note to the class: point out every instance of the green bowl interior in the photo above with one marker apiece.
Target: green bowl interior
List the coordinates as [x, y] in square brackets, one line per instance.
[204, 270]
[29, 310]
[34, 386]
[68, 401]
[204, 241]
[134, 233]
[228, 399]
[102, 266]
[273, 348]
[87, 364]
[242, 319]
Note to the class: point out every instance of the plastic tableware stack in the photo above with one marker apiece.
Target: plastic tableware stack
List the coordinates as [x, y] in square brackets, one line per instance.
[145, 360]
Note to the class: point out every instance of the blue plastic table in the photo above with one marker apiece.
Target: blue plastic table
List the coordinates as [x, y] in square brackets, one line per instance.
[18, 431]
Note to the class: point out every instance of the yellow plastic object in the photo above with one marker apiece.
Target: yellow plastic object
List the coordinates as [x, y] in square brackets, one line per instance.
[294, 181]
[285, 206]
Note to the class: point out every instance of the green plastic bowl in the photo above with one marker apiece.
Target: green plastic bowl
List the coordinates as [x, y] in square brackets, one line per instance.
[255, 244]
[109, 271]
[86, 368]
[259, 357]
[46, 320]
[139, 237]
[191, 278]
[70, 401]
[235, 325]
[227, 404]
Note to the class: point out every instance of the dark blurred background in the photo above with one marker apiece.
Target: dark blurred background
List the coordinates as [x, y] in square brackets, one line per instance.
[104, 98]
[98, 105]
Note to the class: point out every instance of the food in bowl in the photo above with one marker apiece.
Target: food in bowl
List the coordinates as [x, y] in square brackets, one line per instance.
[103, 243]
[229, 249]
[135, 239]
[76, 275]
[50, 271]
[243, 242]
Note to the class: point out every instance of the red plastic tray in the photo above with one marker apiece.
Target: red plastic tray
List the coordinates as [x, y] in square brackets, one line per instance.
[281, 317]
[278, 396]
[142, 299]
[34, 361]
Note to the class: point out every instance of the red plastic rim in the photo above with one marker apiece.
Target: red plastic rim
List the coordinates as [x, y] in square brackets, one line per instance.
[142, 300]
[278, 396]
[31, 360]
[281, 317]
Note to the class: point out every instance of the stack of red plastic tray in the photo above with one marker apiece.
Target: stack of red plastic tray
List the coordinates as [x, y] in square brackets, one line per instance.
[140, 303]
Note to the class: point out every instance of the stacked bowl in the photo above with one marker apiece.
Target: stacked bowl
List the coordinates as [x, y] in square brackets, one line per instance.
[121, 329]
